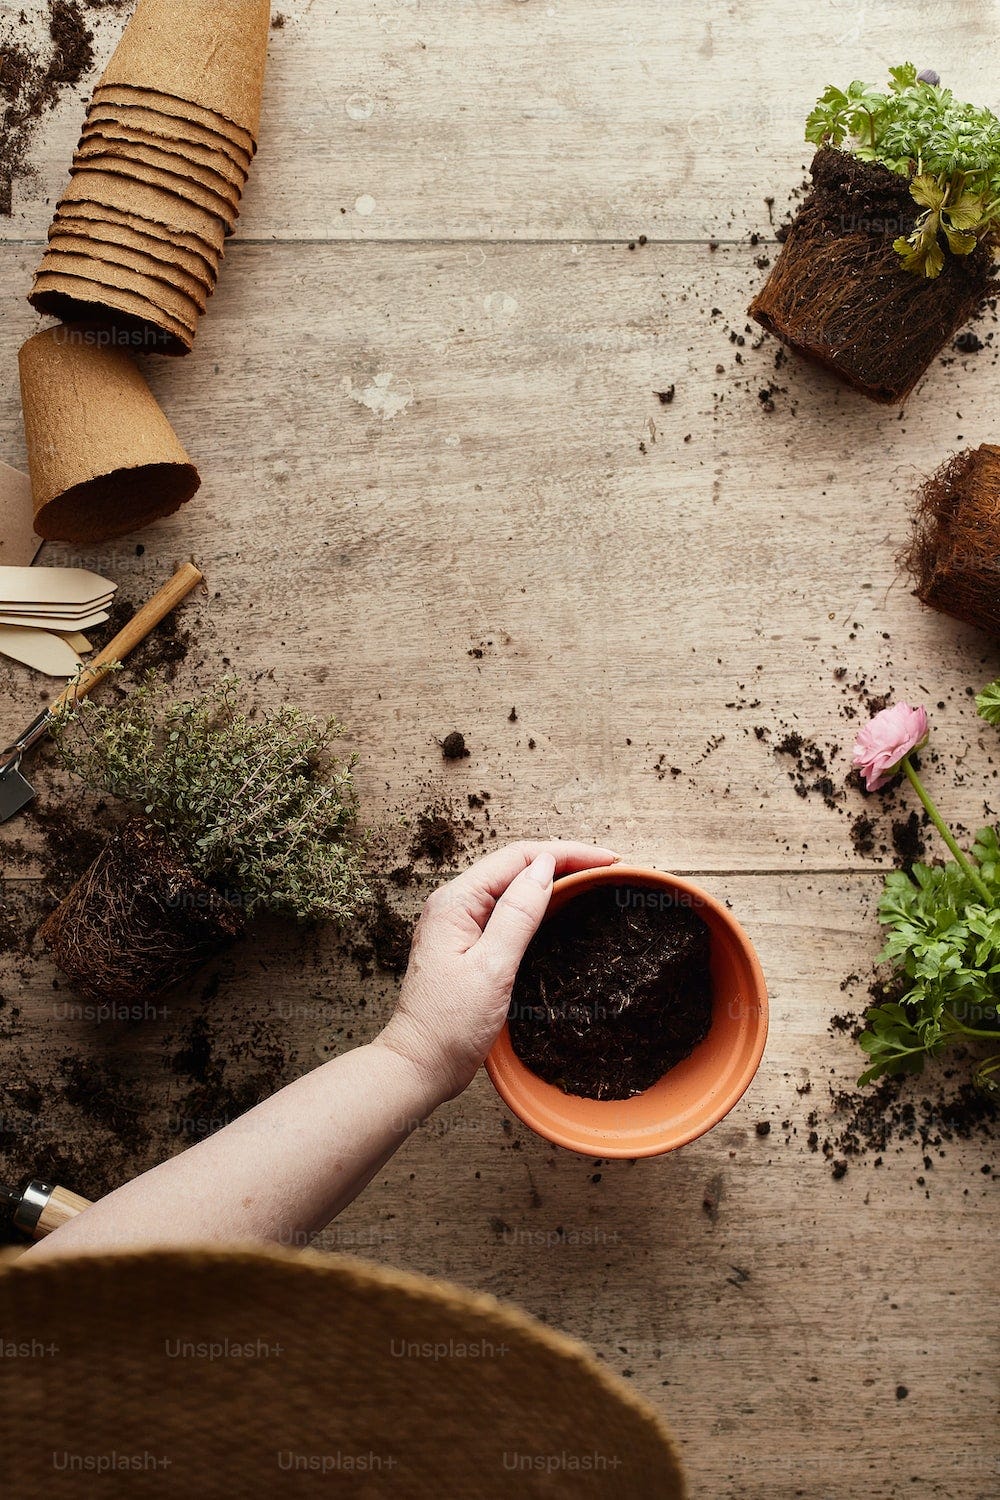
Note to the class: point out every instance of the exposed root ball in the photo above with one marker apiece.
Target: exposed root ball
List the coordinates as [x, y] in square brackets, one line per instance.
[838, 293]
[137, 921]
[955, 553]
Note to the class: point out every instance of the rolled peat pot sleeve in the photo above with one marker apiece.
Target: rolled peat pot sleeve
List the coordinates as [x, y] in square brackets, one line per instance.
[137, 242]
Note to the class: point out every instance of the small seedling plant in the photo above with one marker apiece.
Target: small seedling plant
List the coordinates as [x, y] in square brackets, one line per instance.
[943, 938]
[950, 151]
[253, 800]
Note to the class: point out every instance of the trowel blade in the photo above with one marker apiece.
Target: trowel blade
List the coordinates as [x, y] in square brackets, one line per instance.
[15, 794]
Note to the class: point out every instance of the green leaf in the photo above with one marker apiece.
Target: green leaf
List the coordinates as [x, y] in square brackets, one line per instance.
[903, 76]
[927, 191]
[988, 705]
[933, 262]
[922, 253]
[258, 803]
[946, 148]
[959, 242]
[943, 947]
[967, 212]
[911, 255]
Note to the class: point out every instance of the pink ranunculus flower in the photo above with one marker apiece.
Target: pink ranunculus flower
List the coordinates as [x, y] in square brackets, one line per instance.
[886, 740]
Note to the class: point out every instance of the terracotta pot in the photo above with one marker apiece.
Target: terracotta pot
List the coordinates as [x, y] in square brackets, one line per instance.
[690, 1098]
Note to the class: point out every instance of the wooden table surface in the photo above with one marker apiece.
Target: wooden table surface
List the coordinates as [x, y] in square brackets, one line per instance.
[439, 484]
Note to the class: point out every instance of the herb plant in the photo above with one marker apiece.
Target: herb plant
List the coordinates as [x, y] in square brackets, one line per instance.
[950, 151]
[943, 944]
[256, 802]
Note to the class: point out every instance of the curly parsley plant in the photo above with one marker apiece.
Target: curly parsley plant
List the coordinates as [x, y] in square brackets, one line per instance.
[950, 151]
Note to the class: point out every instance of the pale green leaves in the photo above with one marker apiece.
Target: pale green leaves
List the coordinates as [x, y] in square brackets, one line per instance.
[903, 76]
[250, 801]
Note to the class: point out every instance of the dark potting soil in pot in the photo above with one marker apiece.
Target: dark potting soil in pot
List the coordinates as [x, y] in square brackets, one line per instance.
[614, 991]
[839, 293]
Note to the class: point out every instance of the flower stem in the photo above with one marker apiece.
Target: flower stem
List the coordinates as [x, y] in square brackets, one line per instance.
[946, 832]
[989, 1036]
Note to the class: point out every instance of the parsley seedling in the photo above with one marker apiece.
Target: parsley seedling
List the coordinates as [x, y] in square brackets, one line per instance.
[943, 944]
[950, 151]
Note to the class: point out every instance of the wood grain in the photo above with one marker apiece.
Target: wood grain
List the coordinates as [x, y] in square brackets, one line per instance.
[439, 485]
[637, 580]
[575, 119]
[769, 1310]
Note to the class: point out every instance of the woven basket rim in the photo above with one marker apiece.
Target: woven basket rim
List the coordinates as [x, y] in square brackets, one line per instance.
[351, 1272]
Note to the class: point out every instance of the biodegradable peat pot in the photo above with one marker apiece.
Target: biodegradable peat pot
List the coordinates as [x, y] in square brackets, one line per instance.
[839, 294]
[103, 458]
[137, 921]
[954, 556]
[693, 1095]
[209, 56]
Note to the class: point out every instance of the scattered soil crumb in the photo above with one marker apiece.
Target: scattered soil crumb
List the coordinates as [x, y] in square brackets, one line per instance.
[33, 77]
[453, 746]
[163, 652]
[438, 837]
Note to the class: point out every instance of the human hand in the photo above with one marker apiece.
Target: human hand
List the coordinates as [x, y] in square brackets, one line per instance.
[469, 941]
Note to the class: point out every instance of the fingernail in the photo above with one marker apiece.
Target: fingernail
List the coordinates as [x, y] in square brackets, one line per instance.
[542, 870]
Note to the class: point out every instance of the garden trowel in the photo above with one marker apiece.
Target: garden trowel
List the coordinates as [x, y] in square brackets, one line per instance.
[15, 791]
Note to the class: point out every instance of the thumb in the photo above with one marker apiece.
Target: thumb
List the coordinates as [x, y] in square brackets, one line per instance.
[518, 914]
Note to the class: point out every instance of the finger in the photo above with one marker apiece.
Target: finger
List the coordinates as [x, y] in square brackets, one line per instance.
[517, 915]
[476, 891]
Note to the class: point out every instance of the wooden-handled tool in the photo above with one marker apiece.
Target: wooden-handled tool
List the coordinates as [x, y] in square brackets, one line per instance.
[133, 634]
[41, 1209]
[15, 791]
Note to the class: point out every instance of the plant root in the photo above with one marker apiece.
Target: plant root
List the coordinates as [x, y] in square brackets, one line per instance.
[137, 921]
[954, 556]
[838, 293]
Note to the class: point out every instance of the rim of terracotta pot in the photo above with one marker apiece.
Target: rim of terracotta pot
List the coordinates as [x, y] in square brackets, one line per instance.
[693, 1096]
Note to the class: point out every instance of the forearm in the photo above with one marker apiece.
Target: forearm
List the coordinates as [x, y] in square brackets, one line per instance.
[280, 1173]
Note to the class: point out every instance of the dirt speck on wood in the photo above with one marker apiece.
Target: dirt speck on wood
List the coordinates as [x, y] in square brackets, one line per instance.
[33, 76]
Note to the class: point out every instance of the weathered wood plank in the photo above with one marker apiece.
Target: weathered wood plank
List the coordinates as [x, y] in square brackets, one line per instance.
[770, 1310]
[599, 119]
[533, 529]
[503, 540]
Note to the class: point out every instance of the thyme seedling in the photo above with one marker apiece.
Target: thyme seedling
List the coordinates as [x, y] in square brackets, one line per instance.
[255, 802]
